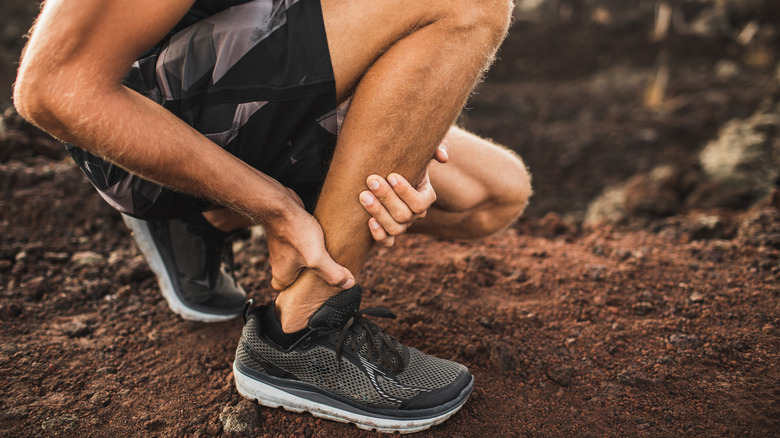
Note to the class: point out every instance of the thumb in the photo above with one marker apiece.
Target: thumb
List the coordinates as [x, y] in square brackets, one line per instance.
[333, 273]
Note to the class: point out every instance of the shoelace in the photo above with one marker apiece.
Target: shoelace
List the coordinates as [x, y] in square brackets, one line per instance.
[387, 350]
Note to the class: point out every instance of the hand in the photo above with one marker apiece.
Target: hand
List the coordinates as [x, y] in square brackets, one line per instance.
[399, 204]
[296, 241]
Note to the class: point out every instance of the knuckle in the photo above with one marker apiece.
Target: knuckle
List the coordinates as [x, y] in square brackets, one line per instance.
[396, 230]
[419, 207]
[404, 217]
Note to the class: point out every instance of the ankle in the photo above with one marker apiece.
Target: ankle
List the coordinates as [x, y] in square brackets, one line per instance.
[295, 305]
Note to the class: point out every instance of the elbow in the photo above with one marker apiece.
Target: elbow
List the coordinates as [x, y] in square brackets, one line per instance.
[25, 99]
[45, 100]
[30, 99]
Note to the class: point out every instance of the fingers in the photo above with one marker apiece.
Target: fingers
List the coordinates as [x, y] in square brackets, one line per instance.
[330, 271]
[392, 226]
[379, 234]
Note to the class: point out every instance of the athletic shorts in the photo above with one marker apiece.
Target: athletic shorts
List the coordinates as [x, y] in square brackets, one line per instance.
[257, 80]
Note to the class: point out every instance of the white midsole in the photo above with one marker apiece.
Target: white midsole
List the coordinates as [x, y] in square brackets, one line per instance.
[268, 395]
[145, 241]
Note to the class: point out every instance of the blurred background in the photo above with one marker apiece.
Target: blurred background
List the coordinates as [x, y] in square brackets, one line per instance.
[624, 110]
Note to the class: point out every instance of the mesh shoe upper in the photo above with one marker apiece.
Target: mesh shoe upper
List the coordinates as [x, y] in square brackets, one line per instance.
[199, 261]
[348, 356]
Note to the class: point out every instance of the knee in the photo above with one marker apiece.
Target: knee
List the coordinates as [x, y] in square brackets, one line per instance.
[489, 19]
[508, 199]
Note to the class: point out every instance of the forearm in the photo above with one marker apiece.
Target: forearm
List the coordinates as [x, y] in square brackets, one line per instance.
[147, 140]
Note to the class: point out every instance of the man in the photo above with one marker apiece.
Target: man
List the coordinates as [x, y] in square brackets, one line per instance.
[223, 114]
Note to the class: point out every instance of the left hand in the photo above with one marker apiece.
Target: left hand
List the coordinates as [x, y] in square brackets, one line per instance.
[394, 204]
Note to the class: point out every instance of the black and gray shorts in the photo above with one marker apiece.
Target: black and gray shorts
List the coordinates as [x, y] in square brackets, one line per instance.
[257, 80]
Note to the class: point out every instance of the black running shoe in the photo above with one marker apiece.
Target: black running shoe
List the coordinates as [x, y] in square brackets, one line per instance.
[193, 263]
[345, 368]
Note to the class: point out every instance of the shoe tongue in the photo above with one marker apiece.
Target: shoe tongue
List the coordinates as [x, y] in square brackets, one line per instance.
[337, 310]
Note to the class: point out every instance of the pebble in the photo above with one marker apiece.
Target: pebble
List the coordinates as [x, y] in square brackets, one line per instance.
[56, 257]
[503, 356]
[87, 258]
[100, 398]
[59, 424]
[242, 418]
[560, 374]
[10, 311]
[75, 329]
[34, 289]
[683, 340]
[696, 297]
[486, 322]
[135, 271]
[643, 308]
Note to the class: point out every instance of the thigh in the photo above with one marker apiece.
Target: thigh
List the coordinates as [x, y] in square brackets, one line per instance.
[360, 31]
[478, 171]
[255, 79]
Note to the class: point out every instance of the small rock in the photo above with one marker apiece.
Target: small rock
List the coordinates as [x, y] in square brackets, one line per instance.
[75, 329]
[696, 297]
[34, 289]
[726, 69]
[682, 340]
[60, 424]
[98, 288]
[643, 308]
[242, 418]
[470, 352]
[486, 322]
[10, 311]
[56, 257]
[503, 356]
[106, 370]
[596, 272]
[100, 398]
[518, 276]
[560, 374]
[135, 271]
[87, 258]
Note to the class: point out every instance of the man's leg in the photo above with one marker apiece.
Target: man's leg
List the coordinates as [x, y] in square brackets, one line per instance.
[481, 190]
[411, 65]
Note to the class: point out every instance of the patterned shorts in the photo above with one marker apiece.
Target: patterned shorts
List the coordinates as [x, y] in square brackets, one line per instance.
[257, 80]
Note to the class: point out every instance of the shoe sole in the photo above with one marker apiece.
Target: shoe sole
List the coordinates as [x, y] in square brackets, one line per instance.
[274, 397]
[145, 241]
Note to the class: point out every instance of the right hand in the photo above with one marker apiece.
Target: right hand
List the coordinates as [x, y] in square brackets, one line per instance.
[296, 241]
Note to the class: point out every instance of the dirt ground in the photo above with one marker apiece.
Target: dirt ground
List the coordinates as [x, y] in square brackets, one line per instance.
[664, 326]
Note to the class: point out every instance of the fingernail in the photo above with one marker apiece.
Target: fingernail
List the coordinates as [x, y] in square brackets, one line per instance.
[373, 224]
[349, 283]
[445, 152]
[366, 199]
[373, 184]
[392, 180]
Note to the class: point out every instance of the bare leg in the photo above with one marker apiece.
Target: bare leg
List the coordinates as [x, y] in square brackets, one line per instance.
[421, 61]
[482, 189]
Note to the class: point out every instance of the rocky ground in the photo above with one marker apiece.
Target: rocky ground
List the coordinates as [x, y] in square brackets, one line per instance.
[639, 296]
